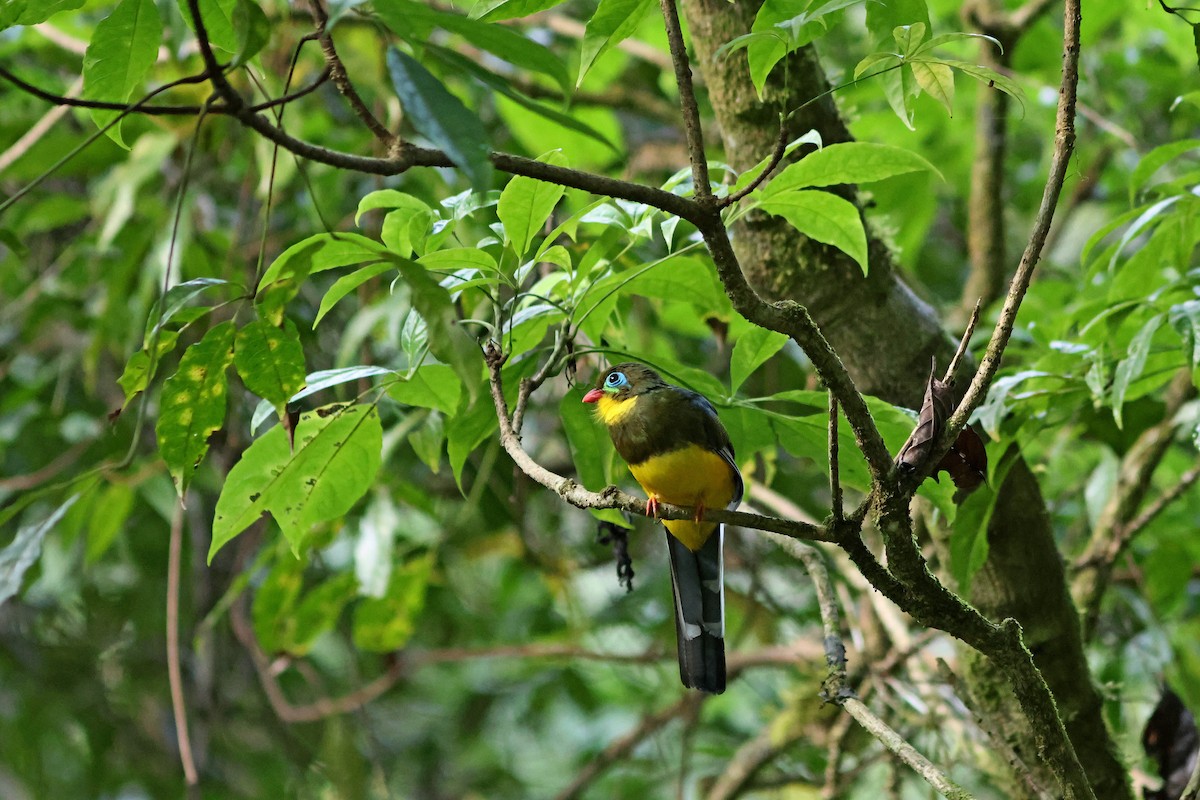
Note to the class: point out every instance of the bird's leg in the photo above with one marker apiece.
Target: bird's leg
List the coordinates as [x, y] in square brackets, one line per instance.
[699, 510]
[652, 507]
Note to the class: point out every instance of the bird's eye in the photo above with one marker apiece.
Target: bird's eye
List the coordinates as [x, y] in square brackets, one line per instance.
[615, 379]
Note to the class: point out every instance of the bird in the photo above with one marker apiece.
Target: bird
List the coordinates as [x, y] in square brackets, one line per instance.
[679, 452]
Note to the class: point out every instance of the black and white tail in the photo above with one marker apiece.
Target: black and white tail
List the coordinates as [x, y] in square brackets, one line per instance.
[698, 580]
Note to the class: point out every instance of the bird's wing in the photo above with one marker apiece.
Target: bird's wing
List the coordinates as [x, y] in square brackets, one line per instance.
[716, 438]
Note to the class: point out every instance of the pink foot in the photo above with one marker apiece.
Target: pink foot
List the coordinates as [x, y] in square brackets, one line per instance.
[652, 507]
[699, 512]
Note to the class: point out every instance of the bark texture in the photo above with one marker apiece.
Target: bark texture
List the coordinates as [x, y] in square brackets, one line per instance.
[886, 335]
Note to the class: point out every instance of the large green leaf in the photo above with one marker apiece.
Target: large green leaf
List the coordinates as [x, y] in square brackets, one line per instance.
[847, 162]
[122, 50]
[218, 16]
[497, 10]
[338, 451]
[270, 361]
[499, 83]
[347, 284]
[193, 403]
[32, 12]
[435, 386]
[613, 22]
[448, 341]
[884, 18]
[824, 217]
[441, 117]
[750, 352]
[410, 20]
[526, 204]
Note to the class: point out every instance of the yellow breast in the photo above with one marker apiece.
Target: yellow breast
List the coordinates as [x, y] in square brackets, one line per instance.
[613, 411]
[690, 476]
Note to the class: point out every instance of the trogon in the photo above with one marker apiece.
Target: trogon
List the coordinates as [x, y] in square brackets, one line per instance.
[680, 453]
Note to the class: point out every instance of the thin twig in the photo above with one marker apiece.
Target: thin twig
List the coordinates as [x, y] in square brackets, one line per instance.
[342, 80]
[963, 344]
[687, 100]
[776, 157]
[174, 673]
[835, 483]
[69, 101]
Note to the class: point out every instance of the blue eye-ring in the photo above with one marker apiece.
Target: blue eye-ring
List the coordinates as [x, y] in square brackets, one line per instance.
[616, 380]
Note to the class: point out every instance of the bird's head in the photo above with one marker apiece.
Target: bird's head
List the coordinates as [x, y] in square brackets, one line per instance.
[620, 384]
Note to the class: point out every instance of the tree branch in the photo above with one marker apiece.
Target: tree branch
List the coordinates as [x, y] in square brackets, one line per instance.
[337, 71]
[687, 101]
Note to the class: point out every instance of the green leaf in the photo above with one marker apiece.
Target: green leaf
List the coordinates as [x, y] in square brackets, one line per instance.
[465, 432]
[338, 451]
[448, 341]
[315, 254]
[497, 10]
[848, 162]
[901, 91]
[781, 27]
[429, 440]
[317, 612]
[498, 83]
[883, 18]
[107, 518]
[252, 28]
[274, 602]
[824, 217]
[409, 19]
[750, 352]
[441, 117]
[1185, 319]
[138, 371]
[937, 80]
[909, 37]
[1155, 160]
[24, 549]
[33, 12]
[347, 284]
[218, 21]
[429, 386]
[587, 439]
[387, 198]
[193, 403]
[386, 623]
[122, 50]
[270, 361]
[1130, 368]
[613, 22]
[176, 298]
[526, 204]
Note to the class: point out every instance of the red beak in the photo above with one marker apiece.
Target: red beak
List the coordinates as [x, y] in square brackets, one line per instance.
[593, 396]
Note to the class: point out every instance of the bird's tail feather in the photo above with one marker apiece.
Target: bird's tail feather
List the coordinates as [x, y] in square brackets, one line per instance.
[698, 580]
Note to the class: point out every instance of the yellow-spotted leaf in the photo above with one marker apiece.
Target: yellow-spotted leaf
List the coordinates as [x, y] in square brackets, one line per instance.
[270, 361]
[193, 403]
